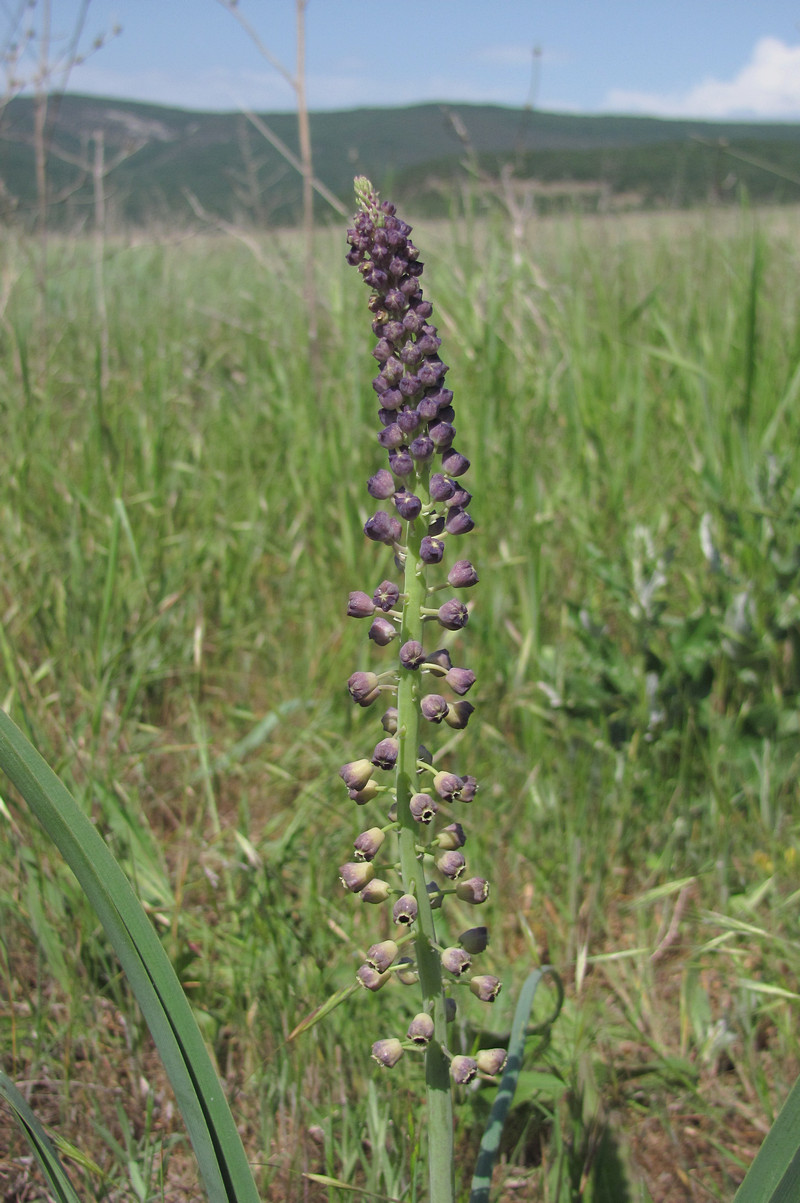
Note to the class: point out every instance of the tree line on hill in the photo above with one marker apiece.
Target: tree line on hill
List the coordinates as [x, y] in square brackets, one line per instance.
[157, 164]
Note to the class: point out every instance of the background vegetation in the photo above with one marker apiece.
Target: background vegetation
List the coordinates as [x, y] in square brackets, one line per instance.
[178, 159]
[179, 536]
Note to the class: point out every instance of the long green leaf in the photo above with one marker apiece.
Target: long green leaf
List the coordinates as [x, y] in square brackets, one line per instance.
[482, 1178]
[42, 1147]
[774, 1176]
[217, 1144]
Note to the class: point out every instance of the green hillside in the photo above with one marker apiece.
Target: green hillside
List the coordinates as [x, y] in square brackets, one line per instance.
[183, 159]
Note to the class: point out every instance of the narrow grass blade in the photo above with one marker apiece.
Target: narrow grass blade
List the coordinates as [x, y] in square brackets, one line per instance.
[42, 1147]
[482, 1179]
[217, 1144]
[774, 1176]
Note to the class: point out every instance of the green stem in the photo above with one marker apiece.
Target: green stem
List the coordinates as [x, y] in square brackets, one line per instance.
[437, 1065]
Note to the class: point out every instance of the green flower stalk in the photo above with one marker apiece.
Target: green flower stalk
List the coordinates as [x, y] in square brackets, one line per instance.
[423, 510]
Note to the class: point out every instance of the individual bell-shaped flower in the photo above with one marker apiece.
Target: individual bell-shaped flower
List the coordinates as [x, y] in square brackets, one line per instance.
[491, 1060]
[485, 987]
[456, 961]
[457, 714]
[385, 753]
[420, 1030]
[451, 863]
[404, 911]
[355, 875]
[369, 843]
[453, 615]
[356, 774]
[474, 940]
[387, 1052]
[463, 1070]
[369, 977]
[375, 891]
[474, 890]
[452, 836]
[423, 808]
[381, 956]
[462, 575]
[360, 605]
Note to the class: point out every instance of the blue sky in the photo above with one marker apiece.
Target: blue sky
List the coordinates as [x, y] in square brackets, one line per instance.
[700, 58]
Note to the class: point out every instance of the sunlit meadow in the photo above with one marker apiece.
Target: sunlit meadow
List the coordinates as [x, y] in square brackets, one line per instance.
[178, 546]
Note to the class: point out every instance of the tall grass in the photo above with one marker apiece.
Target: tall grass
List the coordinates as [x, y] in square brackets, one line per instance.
[177, 552]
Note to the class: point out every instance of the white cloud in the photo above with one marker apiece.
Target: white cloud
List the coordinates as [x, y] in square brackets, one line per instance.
[768, 86]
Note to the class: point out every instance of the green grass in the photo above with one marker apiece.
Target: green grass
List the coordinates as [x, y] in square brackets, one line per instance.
[177, 551]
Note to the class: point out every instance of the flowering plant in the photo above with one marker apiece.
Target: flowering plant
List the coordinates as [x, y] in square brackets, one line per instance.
[425, 511]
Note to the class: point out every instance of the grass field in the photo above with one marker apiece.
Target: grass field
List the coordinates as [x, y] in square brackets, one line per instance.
[178, 544]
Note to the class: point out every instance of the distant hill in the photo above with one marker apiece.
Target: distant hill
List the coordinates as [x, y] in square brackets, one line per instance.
[184, 162]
